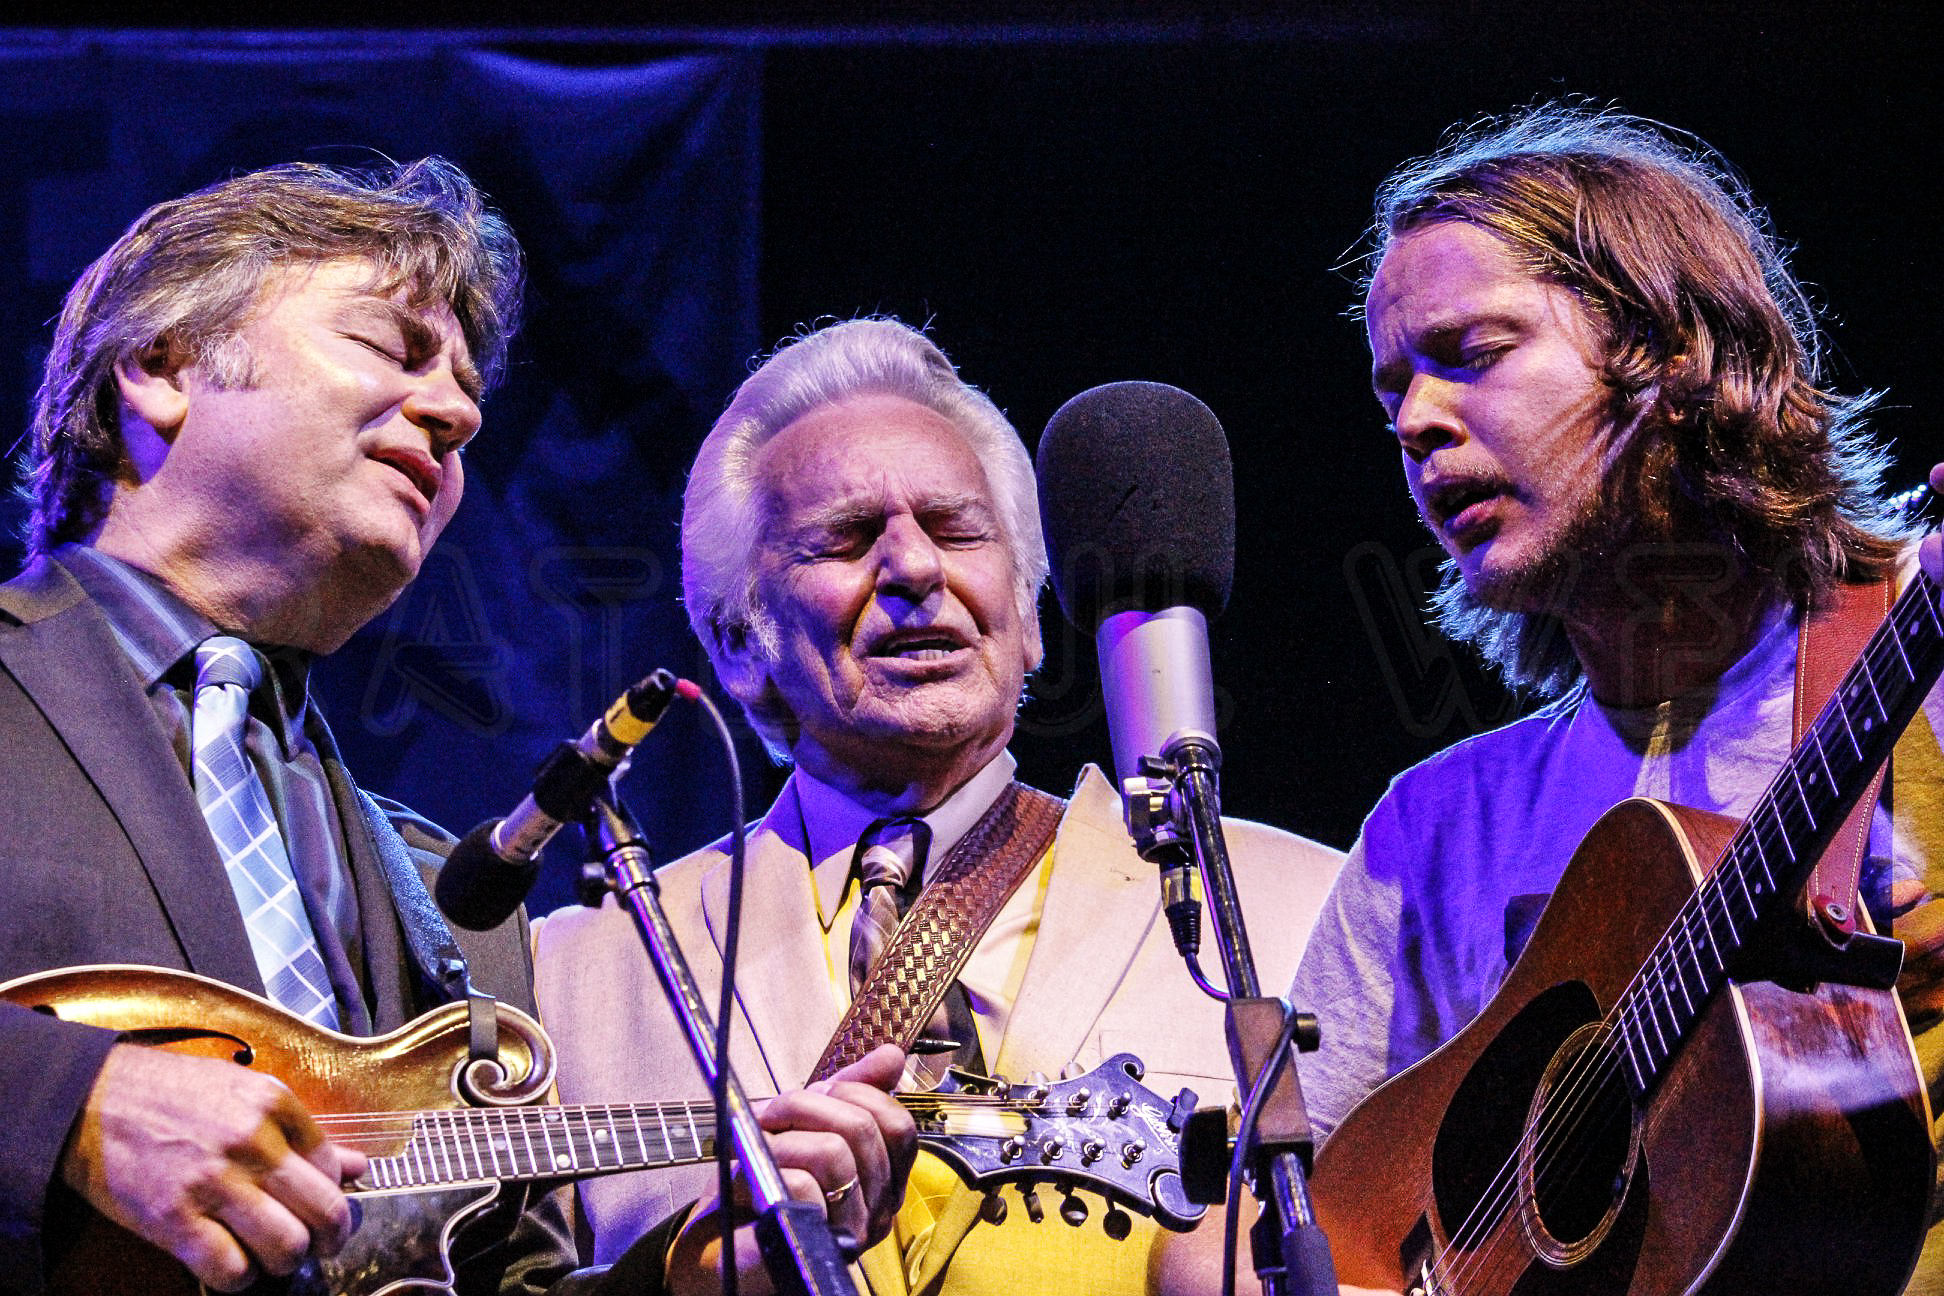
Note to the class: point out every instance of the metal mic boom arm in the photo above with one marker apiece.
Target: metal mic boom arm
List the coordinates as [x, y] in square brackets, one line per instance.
[1292, 1257]
[798, 1248]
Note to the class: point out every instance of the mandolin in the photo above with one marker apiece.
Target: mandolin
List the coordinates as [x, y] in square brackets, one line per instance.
[445, 1131]
[1647, 1106]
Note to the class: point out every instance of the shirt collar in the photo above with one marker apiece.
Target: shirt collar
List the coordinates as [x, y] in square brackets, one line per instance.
[833, 821]
[159, 632]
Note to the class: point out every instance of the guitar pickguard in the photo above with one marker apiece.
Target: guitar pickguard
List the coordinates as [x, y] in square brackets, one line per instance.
[1783, 1147]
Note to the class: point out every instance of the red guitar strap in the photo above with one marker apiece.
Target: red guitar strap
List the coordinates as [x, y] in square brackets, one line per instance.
[1827, 645]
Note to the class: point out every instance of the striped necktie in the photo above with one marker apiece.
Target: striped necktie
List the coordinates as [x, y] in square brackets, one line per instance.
[890, 863]
[237, 810]
[887, 857]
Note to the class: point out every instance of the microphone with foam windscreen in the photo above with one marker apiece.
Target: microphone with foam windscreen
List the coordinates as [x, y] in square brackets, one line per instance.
[491, 869]
[1137, 496]
[1138, 500]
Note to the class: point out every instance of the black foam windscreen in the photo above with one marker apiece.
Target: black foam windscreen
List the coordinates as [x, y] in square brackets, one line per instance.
[475, 888]
[1137, 494]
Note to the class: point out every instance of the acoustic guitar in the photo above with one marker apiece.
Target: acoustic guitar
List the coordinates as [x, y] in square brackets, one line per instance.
[1642, 1108]
[446, 1132]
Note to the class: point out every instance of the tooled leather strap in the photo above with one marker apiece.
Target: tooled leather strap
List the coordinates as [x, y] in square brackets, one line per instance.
[1828, 643]
[932, 944]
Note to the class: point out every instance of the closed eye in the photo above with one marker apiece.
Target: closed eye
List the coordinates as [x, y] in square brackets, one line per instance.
[393, 351]
[1479, 359]
[837, 546]
[960, 522]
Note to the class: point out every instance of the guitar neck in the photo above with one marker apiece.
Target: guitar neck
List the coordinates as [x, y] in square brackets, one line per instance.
[1771, 856]
[516, 1144]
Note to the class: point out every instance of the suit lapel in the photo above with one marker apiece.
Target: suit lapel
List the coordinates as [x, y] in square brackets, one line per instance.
[783, 977]
[99, 711]
[387, 974]
[1100, 903]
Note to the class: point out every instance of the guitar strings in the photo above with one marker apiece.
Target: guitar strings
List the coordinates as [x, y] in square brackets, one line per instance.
[443, 1146]
[1590, 1090]
[683, 1106]
[1549, 1148]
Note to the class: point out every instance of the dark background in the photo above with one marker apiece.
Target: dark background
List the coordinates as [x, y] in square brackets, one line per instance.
[1079, 194]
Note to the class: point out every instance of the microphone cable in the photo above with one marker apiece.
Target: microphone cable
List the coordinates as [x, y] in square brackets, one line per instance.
[1245, 1136]
[726, 1000]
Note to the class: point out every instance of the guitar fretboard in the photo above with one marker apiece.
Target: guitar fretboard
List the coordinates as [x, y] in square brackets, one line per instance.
[465, 1145]
[1771, 855]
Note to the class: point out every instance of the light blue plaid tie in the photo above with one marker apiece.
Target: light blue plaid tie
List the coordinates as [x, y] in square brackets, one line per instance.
[237, 810]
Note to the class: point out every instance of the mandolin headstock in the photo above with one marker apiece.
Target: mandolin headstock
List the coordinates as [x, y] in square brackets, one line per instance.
[1103, 1131]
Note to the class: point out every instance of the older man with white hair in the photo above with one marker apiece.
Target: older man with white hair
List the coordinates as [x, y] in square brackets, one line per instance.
[862, 559]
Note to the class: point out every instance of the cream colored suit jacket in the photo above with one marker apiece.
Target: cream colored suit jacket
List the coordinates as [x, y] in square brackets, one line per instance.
[1102, 978]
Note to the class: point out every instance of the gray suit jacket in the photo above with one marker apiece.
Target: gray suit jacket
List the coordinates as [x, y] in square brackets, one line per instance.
[1103, 978]
[104, 859]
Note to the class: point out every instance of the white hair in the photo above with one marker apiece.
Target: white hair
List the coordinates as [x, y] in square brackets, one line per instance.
[722, 510]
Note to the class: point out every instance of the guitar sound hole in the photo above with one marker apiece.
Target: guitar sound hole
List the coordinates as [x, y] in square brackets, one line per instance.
[1579, 1150]
[1486, 1122]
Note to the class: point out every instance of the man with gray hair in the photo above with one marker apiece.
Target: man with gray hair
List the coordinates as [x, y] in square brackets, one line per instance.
[862, 559]
[246, 442]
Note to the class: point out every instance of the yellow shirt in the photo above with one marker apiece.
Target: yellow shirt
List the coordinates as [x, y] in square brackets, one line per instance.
[1014, 1254]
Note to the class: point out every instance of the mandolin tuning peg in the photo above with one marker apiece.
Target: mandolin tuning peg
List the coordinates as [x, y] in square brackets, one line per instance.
[1073, 1210]
[993, 1209]
[1029, 1198]
[1116, 1224]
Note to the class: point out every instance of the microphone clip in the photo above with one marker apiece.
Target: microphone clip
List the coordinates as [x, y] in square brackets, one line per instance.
[1161, 823]
[1147, 799]
[1158, 818]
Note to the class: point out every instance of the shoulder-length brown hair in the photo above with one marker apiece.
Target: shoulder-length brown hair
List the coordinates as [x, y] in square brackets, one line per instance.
[1712, 348]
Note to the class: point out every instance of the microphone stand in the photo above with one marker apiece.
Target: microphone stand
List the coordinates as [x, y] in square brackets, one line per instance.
[1181, 803]
[797, 1245]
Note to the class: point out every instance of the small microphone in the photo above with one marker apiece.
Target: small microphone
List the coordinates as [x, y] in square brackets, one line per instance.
[491, 869]
[1138, 497]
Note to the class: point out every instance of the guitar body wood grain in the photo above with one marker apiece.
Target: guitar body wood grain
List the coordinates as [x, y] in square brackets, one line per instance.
[1786, 1148]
